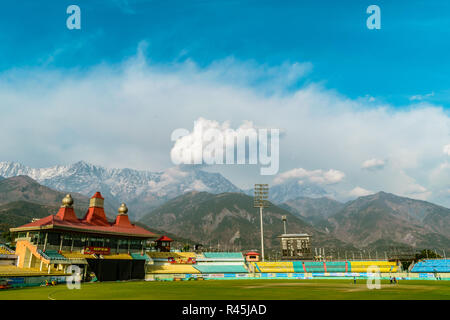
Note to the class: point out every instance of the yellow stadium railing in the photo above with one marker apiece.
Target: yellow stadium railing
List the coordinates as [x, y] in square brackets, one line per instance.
[77, 255]
[176, 268]
[384, 266]
[120, 256]
[273, 267]
[166, 255]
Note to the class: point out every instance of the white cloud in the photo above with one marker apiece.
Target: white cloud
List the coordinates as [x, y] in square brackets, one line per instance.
[417, 191]
[123, 116]
[373, 164]
[320, 177]
[446, 149]
[198, 144]
[198, 185]
[420, 97]
[359, 192]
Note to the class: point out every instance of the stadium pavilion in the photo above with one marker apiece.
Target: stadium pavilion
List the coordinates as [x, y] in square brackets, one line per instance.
[112, 250]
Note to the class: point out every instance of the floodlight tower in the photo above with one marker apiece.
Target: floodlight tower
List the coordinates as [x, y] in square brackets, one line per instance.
[260, 201]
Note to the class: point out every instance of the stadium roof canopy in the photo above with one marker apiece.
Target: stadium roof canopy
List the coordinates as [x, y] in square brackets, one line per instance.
[94, 221]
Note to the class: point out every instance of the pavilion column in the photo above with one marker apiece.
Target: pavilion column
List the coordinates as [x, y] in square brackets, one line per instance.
[49, 268]
[45, 241]
[128, 246]
[85, 272]
[31, 259]
[40, 267]
[60, 243]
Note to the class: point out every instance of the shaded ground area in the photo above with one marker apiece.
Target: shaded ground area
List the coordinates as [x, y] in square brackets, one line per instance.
[238, 289]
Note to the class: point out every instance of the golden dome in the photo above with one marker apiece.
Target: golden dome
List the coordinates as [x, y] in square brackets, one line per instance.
[67, 201]
[123, 209]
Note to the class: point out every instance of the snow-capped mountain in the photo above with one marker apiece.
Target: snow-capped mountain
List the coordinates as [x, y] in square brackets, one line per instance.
[141, 190]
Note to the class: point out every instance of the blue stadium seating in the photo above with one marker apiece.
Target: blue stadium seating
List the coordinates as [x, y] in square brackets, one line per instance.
[52, 255]
[314, 267]
[138, 256]
[298, 266]
[437, 265]
[335, 266]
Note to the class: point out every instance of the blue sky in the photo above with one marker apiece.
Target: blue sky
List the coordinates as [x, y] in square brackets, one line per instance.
[360, 110]
[407, 57]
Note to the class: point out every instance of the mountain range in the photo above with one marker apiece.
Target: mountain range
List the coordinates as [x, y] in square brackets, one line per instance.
[23, 199]
[315, 211]
[141, 190]
[230, 220]
[23, 188]
[205, 207]
[372, 219]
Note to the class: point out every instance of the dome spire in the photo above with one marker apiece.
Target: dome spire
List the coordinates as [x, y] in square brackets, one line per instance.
[123, 209]
[67, 202]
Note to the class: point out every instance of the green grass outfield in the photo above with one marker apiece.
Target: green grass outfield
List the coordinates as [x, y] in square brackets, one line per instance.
[237, 289]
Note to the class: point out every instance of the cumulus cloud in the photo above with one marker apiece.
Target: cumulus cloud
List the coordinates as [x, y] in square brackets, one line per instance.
[446, 149]
[373, 164]
[359, 192]
[206, 137]
[320, 177]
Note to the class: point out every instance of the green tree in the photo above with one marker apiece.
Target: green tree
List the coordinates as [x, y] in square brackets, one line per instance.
[7, 236]
[427, 254]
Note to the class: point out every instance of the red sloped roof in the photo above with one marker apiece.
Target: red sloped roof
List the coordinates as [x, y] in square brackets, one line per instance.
[68, 214]
[98, 195]
[252, 253]
[164, 238]
[123, 221]
[94, 221]
[82, 225]
[96, 216]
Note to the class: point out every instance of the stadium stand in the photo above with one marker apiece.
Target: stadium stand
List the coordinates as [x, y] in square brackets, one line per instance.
[172, 268]
[77, 255]
[384, 266]
[314, 267]
[138, 256]
[5, 250]
[221, 268]
[119, 256]
[51, 255]
[433, 265]
[298, 266]
[23, 272]
[166, 255]
[274, 267]
[224, 255]
[335, 266]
